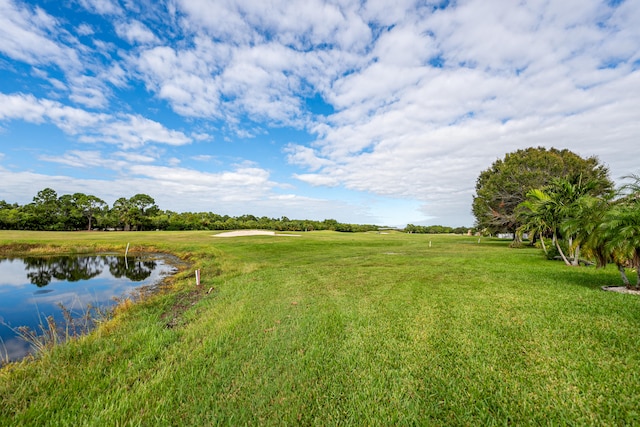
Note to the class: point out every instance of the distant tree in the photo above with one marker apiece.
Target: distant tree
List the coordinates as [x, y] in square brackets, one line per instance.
[162, 220]
[89, 205]
[45, 197]
[9, 216]
[329, 224]
[45, 209]
[121, 213]
[143, 207]
[460, 230]
[410, 228]
[137, 212]
[70, 217]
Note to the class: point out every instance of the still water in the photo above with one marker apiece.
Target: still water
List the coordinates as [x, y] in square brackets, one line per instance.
[31, 289]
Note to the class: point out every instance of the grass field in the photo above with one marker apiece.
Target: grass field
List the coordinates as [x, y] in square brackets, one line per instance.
[342, 329]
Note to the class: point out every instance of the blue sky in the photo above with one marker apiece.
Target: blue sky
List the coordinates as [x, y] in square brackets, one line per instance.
[362, 111]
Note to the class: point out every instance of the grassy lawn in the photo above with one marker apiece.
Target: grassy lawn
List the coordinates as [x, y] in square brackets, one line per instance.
[342, 329]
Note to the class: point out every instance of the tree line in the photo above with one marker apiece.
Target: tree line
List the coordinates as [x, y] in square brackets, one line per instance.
[566, 204]
[79, 211]
[435, 229]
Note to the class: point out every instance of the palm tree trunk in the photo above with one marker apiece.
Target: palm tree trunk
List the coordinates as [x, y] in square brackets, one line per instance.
[544, 248]
[625, 279]
[571, 252]
[576, 256]
[564, 258]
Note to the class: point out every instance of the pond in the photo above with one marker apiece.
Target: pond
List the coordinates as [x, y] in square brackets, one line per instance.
[34, 288]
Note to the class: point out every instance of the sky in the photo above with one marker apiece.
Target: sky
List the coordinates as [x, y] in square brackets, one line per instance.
[369, 112]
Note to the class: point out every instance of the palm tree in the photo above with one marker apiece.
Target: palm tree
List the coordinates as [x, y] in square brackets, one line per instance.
[587, 215]
[564, 207]
[621, 228]
[608, 229]
[531, 214]
[543, 212]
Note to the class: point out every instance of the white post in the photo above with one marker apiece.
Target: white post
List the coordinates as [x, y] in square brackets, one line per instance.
[197, 277]
[126, 262]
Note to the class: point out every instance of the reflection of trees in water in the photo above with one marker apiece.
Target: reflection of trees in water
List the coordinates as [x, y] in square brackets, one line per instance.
[134, 269]
[42, 270]
[38, 272]
[141, 270]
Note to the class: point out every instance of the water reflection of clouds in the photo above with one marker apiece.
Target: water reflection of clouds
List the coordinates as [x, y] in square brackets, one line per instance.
[13, 348]
[80, 298]
[70, 300]
[13, 273]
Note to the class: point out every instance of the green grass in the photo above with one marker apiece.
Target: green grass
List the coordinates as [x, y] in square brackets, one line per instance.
[342, 329]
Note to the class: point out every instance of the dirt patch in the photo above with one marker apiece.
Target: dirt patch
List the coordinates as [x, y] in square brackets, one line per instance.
[241, 233]
[621, 289]
[173, 317]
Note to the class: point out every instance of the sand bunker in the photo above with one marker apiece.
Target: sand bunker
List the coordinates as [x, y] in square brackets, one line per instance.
[241, 233]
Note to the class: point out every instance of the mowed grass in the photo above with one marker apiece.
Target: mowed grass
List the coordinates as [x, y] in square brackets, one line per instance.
[343, 329]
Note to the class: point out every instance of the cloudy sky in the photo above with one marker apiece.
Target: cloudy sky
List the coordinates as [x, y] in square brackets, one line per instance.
[375, 111]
